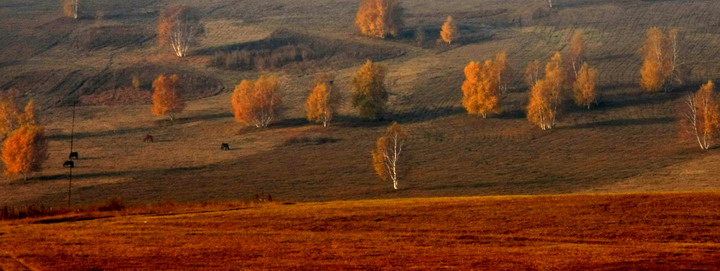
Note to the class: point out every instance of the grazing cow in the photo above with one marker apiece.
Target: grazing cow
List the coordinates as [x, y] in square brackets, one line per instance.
[69, 164]
[225, 147]
[149, 138]
[74, 155]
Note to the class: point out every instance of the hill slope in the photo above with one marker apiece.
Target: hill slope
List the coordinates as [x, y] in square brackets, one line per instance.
[627, 143]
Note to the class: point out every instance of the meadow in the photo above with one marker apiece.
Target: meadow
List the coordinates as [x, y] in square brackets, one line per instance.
[665, 231]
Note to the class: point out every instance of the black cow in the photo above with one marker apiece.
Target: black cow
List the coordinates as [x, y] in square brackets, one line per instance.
[225, 146]
[74, 155]
[69, 164]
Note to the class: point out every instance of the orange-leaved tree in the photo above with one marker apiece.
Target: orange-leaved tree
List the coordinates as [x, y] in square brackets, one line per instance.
[166, 97]
[369, 92]
[502, 71]
[541, 110]
[547, 94]
[29, 116]
[660, 60]
[9, 112]
[481, 89]
[577, 50]
[386, 155]
[585, 87]
[257, 103]
[180, 27]
[320, 105]
[25, 150]
[555, 74]
[532, 73]
[379, 18]
[701, 116]
[449, 31]
[70, 8]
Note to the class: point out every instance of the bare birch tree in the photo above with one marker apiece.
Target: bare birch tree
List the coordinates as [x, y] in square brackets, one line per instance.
[181, 27]
[701, 117]
[386, 155]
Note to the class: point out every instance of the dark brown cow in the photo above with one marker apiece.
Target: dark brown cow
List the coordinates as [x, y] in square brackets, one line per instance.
[149, 138]
[69, 164]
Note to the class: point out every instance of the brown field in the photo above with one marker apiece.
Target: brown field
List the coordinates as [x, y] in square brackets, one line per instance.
[667, 231]
[628, 143]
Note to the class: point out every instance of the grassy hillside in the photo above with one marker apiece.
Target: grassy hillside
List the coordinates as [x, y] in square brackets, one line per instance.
[604, 232]
[628, 143]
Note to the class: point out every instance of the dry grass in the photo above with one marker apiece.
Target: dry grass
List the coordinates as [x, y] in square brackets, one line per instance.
[609, 232]
[627, 143]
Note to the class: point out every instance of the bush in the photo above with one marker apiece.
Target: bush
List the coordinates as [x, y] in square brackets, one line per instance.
[113, 204]
[307, 139]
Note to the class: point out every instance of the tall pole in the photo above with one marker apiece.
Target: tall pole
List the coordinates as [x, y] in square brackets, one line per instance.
[72, 137]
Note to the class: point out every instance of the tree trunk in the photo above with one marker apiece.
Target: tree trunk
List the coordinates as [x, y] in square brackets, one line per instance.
[76, 7]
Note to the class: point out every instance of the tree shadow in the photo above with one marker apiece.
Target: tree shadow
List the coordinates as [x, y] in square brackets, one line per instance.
[81, 135]
[621, 122]
[111, 174]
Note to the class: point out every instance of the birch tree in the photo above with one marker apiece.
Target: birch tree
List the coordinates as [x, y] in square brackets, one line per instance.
[386, 156]
[449, 31]
[532, 73]
[369, 91]
[180, 27]
[585, 87]
[379, 18]
[25, 151]
[701, 116]
[166, 96]
[577, 50]
[660, 60]
[541, 110]
[70, 8]
[257, 103]
[320, 105]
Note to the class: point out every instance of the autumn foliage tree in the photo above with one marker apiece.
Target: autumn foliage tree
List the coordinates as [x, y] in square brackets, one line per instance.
[449, 31]
[484, 85]
[257, 103]
[502, 71]
[386, 155]
[71, 7]
[9, 112]
[166, 97]
[320, 105]
[701, 115]
[546, 95]
[369, 92]
[379, 18]
[577, 50]
[541, 110]
[180, 27]
[25, 150]
[660, 60]
[555, 75]
[532, 72]
[585, 87]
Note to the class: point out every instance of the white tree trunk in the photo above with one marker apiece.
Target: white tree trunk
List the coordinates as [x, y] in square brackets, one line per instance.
[76, 6]
[391, 157]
